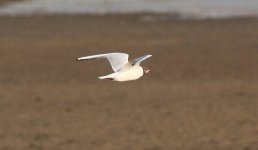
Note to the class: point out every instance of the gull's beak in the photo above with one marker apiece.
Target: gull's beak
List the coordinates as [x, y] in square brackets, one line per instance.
[147, 71]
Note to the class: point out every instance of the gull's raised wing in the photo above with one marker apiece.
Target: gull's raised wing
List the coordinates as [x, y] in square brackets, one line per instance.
[137, 61]
[117, 60]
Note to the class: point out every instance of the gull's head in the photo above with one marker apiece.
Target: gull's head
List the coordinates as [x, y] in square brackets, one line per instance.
[146, 70]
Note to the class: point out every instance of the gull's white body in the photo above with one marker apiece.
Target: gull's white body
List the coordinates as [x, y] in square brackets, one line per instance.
[132, 73]
[123, 70]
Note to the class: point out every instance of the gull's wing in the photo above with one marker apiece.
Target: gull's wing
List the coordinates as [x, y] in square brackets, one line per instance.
[137, 61]
[117, 60]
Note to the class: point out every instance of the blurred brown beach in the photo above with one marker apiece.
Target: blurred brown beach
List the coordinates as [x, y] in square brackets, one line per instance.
[201, 94]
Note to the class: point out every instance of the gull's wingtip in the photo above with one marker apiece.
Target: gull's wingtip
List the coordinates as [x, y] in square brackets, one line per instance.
[148, 55]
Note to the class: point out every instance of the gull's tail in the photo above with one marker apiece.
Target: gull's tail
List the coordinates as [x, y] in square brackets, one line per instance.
[108, 77]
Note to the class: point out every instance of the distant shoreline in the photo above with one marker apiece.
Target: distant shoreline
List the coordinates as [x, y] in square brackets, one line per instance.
[145, 17]
[181, 9]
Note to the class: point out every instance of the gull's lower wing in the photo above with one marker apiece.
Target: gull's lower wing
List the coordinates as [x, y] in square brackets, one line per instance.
[117, 60]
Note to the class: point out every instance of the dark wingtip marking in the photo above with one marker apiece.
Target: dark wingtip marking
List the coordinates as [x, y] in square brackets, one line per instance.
[78, 59]
[110, 79]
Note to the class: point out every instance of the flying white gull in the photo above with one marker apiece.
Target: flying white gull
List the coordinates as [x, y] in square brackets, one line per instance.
[124, 70]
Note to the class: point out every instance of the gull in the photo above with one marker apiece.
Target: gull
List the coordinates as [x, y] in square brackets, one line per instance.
[124, 70]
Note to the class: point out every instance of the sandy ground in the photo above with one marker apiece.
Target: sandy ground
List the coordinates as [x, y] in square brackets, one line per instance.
[201, 94]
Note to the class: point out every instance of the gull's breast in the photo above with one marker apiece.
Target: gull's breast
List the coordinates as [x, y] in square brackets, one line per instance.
[132, 73]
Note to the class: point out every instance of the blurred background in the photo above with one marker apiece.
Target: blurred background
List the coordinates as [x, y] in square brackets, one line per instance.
[201, 94]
